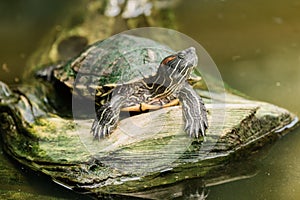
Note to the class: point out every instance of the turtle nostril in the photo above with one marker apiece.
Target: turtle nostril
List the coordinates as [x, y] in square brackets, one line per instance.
[192, 49]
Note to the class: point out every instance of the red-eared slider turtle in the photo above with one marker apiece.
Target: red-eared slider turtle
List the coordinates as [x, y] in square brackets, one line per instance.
[141, 164]
[130, 73]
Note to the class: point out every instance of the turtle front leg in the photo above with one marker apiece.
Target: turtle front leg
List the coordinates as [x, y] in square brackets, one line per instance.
[107, 116]
[194, 111]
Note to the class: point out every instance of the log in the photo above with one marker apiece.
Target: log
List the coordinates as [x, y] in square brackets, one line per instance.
[146, 151]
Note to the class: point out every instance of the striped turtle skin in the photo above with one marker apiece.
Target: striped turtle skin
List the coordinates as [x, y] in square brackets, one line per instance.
[167, 87]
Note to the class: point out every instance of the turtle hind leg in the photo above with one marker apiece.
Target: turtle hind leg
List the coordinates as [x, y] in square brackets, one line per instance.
[194, 112]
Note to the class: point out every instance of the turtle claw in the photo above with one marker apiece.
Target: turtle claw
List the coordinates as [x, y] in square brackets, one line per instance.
[99, 132]
[96, 130]
[202, 128]
[196, 128]
[104, 124]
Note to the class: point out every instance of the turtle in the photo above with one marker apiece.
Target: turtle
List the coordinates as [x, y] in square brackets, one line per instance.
[133, 74]
[38, 137]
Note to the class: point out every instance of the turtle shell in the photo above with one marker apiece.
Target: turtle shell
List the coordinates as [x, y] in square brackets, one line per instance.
[116, 60]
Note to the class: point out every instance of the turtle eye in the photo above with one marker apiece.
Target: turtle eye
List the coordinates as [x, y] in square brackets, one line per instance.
[168, 59]
[181, 55]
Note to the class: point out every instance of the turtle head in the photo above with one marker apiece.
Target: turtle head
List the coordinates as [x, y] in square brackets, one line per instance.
[173, 71]
[178, 67]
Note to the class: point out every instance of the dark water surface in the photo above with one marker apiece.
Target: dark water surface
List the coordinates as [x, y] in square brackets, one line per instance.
[255, 44]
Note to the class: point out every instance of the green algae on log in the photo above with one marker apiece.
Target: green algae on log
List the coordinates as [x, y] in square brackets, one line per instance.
[134, 161]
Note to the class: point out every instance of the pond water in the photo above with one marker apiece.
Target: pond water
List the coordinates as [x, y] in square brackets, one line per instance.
[255, 44]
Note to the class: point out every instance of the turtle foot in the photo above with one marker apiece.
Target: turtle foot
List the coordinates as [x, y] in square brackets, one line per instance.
[196, 127]
[105, 122]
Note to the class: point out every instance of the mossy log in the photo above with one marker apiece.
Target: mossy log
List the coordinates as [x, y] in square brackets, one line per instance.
[134, 161]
